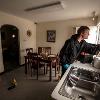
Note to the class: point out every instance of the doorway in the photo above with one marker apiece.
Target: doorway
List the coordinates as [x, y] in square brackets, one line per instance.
[10, 46]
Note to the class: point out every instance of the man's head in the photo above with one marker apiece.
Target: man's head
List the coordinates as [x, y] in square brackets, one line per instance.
[83, 31]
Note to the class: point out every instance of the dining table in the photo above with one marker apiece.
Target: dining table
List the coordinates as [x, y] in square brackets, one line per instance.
[45, 60]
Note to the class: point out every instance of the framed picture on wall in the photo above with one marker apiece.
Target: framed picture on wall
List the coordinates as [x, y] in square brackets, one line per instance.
[51, 35]
[29, 33]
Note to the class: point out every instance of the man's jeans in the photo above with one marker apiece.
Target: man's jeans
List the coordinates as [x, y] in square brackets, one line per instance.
[64, 68]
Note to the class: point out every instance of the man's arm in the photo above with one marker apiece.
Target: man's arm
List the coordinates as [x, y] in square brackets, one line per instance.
[91, 48]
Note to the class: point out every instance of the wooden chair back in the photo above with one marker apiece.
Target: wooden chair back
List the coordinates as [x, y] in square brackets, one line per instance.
[44, 50]
[55, 62]
[29, 50]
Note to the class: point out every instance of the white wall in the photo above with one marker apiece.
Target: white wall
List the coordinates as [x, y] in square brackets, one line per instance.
[64, 29]
[23, 25]
[1, 58]
[98, 19]
[98, 29]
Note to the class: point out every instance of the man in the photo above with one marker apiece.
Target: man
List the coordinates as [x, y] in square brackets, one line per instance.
[74, 46]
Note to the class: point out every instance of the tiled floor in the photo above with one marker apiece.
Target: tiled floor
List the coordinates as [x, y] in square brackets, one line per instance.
[28, 88]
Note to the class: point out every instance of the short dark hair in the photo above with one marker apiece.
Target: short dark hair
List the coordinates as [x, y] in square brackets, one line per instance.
[82, 29]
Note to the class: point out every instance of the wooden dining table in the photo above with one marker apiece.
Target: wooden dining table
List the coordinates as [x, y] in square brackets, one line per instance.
[40, 59]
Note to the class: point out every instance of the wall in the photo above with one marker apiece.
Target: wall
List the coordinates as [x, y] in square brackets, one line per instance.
[23, 25]
[98, 23]
[64, 29]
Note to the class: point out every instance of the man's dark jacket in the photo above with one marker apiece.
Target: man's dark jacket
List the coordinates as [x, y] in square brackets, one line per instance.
[72, 48]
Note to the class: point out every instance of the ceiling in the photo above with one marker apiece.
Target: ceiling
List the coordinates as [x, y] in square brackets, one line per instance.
[71, 9]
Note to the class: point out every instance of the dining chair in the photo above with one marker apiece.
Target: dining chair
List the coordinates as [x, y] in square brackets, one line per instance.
[55, 63]
[35, 64]
[29, 50]
[28, 53]
[44, 52]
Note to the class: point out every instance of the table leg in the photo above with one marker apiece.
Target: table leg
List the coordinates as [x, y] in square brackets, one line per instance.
[50, 78]
[25, 65]
[38, 69]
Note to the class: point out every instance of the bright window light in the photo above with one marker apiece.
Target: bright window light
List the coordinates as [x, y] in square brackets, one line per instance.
[93, 35]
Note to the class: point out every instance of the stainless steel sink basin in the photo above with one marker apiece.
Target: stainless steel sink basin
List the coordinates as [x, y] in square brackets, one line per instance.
[84, 82]
[81, 84]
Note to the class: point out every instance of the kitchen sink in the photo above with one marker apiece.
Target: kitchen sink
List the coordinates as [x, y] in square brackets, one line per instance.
[81, 84]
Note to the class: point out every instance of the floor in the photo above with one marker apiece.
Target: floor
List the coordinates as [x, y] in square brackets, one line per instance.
[28, 88]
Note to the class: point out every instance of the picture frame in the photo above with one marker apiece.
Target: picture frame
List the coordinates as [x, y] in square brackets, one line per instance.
[51, 35]
[29, 33]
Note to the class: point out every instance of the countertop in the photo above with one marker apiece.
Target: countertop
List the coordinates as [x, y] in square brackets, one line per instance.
[55, 94]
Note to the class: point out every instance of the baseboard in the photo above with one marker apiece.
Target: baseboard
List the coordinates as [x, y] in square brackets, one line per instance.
[22, 65]
[2, 73]
[11, 70]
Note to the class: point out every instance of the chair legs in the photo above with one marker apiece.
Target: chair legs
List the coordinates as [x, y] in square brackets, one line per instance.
[44, 70]
[55, 69]
[31, 72]
[32, 69]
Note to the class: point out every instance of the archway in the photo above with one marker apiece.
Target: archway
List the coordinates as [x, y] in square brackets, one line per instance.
[10, 46]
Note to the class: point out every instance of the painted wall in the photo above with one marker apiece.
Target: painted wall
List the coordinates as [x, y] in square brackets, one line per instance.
[64, 29]
[23, 25]
[98, 23]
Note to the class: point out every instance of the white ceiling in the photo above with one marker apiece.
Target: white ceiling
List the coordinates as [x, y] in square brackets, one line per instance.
[72, 9]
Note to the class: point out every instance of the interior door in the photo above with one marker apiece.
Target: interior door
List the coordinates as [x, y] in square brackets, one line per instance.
[10, 47]
[1, 58]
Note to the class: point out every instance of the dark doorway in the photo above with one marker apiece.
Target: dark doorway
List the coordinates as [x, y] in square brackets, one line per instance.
[10, 46]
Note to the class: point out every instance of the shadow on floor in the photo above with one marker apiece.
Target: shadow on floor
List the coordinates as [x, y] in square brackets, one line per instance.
[28, 88]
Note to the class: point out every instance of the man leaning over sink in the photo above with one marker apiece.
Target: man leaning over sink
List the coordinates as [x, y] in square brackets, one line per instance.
[76, 46]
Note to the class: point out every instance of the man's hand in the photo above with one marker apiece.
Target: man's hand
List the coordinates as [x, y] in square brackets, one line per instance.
[84, 53]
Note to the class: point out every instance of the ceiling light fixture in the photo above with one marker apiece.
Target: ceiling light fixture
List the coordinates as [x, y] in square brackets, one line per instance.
[48, 5]
[93, 16]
